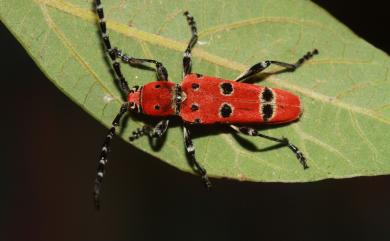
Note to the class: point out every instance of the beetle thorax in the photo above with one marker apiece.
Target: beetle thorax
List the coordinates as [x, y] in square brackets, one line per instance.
[134, 99]
[157, 98]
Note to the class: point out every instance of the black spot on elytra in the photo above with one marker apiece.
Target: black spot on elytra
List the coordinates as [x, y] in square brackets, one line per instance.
[267, 95]
[226, 110]
[195, 86]
[157, 86]
[194, 107]
[157, 107]
[227, 88]
[267, 111]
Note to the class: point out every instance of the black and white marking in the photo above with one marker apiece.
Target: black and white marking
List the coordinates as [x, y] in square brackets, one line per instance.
[267, 111]
[226, 110]
[187, 62]
[190, 149]
[153, 132]
[267, 95]
[178, 98]
[284, 141]
[161, 71]
[194, 107]
[195, 86]
[133, 106]
[197, 121]
[115, 53]
[267, 104]
[257, 68]
[104, 153]
[226, 89]
[112, 52]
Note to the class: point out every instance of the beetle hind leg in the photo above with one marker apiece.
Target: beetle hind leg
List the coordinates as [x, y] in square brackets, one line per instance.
[284, 141]
[187, 63]
[257, 68]
[190, 149]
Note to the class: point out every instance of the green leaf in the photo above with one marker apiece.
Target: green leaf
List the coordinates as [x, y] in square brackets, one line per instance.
[344, 131]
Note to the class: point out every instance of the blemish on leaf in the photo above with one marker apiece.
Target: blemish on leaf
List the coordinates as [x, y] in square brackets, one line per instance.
[203, 42]
[108, 98]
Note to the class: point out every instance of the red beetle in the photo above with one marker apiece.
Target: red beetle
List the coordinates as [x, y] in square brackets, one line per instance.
[200, 100]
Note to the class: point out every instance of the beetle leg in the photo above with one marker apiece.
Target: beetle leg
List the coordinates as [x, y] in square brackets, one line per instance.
[115, 53]
[187, 63]
[190, 149]
[257, 68]
[110, 51]
[104, 153]
[161, 71]
[157, 131]
[252, 132]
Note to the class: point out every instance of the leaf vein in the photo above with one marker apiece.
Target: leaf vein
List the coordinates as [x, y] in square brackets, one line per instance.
[179, 46]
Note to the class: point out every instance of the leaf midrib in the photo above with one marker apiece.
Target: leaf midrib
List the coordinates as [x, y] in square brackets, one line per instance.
[229, 64]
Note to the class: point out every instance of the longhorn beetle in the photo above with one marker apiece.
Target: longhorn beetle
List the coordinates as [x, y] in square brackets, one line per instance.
[200, 100]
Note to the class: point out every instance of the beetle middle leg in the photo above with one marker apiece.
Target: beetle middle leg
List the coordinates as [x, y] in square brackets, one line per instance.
[257, 68]
[155, 132]
[252, 132]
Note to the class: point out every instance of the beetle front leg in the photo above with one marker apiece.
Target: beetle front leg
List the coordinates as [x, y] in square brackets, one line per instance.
[157, 131]
[252, 132]
[190, 149]
[110, 51]
[115, 53]
[104, 153]
[257, 68]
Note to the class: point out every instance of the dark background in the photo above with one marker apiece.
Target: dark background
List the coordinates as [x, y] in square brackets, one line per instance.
[49, 151]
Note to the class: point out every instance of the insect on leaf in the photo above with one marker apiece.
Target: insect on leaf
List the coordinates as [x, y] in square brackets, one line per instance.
[343, 132]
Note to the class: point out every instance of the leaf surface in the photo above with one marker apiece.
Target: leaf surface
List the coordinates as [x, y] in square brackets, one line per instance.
[343, 132]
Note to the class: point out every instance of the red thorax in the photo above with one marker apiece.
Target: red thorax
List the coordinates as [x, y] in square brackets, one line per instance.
[155, 98]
